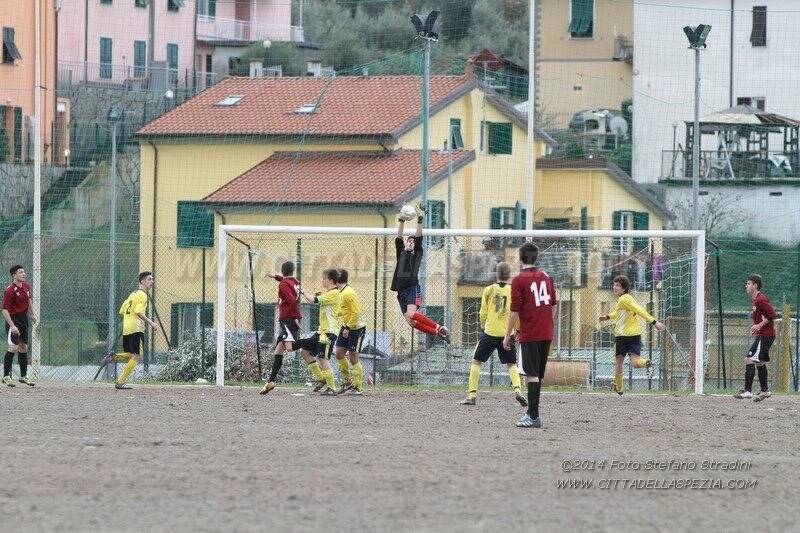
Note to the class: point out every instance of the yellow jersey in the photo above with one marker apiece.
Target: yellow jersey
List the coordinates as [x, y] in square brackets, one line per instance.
[329, 302]
[495, 306]
[135, 304]
[626, 314]
[350, 309]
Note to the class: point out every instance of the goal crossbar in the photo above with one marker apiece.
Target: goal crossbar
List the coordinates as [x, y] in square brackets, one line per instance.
[697, 237]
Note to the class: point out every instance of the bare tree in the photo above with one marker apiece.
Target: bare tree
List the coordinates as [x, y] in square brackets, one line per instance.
[719, 214]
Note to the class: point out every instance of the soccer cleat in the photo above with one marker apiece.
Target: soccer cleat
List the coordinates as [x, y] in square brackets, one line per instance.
[443, 334]
[615, 389]
[356, 392]
[328, 392]
[347, 385]
[122, 386]
[528, 422]
[268, 386]
[763, 395]
[649, 369]
[8, 381]
[743, 394]
[318, 385]
[523, 401]
[467, 401]
[25, 380]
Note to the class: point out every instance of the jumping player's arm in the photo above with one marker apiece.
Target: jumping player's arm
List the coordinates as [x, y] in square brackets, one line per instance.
[627, 301]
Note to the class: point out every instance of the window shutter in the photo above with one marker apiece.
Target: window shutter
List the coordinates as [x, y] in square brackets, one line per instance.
[616, 223]
[105, 57]
[212, 8]
[500, 141]
[495, 219]
[758, 34]
[456, 140]
[195, 226]
[582, 18]
[174, 317]
[640, 221]
[139, 52]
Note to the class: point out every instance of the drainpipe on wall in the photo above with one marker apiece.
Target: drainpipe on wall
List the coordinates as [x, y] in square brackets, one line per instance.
[153, 232]
[730, 66]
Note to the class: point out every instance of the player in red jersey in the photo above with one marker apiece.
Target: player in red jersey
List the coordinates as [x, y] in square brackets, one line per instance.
[533, 304]
[289, 317]
[16, 310]
[763, 332]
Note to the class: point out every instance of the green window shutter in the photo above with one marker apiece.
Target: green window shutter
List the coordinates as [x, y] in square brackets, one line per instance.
[496, 218]
[265, 320]
[172, 56]
[500, 141]
[437, 221]
[106, 46]
[195, 226]
[18, 133]
[212, 8]
[139, 52]
[174, 5]
[616, 223]
[456, 140]
[140, 3]
[640, 221]
[582, 18]
[174, 314]
[105, 1]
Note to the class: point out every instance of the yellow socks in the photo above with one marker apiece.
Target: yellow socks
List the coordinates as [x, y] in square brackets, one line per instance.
[618, 381]
[513, 373]
[316, 373]
[127, 371]
[329, 379]
[122, 357]
[474, 377]
[641, 362]
[358, 376]
[344, 368]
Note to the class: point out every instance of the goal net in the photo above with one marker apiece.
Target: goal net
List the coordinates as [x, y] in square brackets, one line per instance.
[666, 278]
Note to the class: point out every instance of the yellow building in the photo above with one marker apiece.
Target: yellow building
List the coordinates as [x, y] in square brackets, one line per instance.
[346, 152]
[584, 57]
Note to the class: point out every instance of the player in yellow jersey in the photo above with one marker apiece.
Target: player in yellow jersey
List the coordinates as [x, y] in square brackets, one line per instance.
[628, 331]
[316, 349]
[495, 306]
[133, 311]
[351, 335]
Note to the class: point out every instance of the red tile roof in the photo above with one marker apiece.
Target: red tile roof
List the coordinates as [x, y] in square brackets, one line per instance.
[349, 105]
[337, 177]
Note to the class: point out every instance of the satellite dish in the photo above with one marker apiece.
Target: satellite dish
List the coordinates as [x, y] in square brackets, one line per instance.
[618, 126]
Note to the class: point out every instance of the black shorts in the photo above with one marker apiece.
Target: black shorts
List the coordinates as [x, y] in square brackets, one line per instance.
[759, 351]
[316, 348]
[628, 345]
[487, 344]
[353, 341]
[21, 321]
[132, 343]
[288, 331]
[409, 296]
[534, 358]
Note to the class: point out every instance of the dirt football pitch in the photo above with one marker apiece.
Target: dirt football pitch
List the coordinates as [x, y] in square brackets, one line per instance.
[180, 458]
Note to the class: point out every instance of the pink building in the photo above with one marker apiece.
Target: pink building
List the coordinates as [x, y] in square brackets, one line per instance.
[154, 44]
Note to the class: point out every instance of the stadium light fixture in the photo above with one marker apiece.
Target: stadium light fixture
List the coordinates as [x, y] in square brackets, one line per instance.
[697, 35]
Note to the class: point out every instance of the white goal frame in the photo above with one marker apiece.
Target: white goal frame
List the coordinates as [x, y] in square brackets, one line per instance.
[697, 237]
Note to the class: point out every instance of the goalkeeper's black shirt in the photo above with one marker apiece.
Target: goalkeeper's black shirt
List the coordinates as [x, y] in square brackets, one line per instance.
[406, 272]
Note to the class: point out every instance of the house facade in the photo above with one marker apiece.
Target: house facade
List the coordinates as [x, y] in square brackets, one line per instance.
[584, 54]
[346, 152]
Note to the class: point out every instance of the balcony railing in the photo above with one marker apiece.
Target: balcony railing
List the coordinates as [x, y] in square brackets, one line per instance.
[731, 166]
[80, 73]
[220, 29]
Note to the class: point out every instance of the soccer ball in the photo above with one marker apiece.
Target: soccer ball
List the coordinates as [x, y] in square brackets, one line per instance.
[407, 212]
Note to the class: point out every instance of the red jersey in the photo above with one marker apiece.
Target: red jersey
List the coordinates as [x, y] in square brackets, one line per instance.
[533, 296]
[763, 309]
[17, 299]
[289, 299]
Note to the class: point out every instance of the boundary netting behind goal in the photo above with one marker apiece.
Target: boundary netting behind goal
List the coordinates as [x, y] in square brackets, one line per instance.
[666, 279]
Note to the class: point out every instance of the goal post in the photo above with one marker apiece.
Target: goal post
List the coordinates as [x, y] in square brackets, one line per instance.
[668, 267]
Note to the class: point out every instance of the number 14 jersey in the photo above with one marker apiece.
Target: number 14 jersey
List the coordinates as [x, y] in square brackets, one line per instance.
[533, 296]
